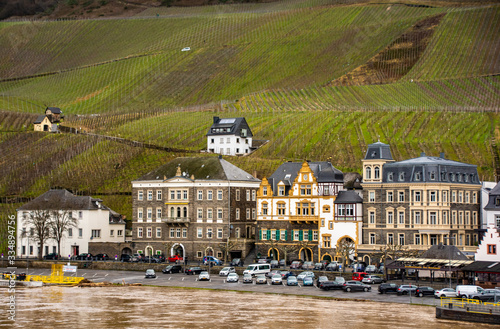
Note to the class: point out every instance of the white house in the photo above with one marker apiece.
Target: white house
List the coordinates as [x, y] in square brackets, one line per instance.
[489, 246]
[490, 204]
[96, 223]
[230, 136]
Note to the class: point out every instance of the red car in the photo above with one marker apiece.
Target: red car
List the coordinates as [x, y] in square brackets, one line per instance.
[175, 258]
[358, 276]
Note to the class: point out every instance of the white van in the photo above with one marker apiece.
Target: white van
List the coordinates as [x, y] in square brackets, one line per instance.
[466, 291]
[254, 269]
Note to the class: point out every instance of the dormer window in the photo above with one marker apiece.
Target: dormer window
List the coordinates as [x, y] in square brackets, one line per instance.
[452, 177]
[281, 190]
[497, 201]
[401, 176]
[433, 175]
[390, 177]
[466, 178]
[417, 176]
[443, 176]
[374, 154]
[459, 177]
[472, 178]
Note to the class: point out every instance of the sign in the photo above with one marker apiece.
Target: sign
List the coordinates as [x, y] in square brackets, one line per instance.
[68, 268]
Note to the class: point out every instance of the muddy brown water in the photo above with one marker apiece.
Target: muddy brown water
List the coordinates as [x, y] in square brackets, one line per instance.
[164, 307]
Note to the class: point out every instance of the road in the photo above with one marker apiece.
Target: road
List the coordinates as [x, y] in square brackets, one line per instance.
[218, 282]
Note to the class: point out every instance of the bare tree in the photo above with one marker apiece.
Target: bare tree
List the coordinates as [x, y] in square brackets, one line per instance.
[287, 249]
[305, 244]
[168, 247]
[345, 249]
[227, 247]
[394, 251]
[60, 223]
[39, 220]
[271, 244]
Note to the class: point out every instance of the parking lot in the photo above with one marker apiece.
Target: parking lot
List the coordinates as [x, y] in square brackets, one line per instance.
[219, 282]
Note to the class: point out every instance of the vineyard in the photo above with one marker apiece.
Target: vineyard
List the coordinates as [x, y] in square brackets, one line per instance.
[317, 79]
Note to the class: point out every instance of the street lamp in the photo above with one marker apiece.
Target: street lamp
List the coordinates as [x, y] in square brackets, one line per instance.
[449, 259]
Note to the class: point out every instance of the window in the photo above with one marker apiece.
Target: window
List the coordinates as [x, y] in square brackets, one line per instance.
[209, 233]
[467, 218]
[445, 196]
[184, 233]
[248, 195]
[445, 218]
[390, 217]
[372, 217]
[264, 208]
[305, 189]
[150, 195]
[305, 235]
[296, 235]
[237, 233]
[283, 235]
[209, 195]
[371, 196]
[158, 195]
[254, 195]
[150, 214]
[264, 190]
[327, 241]
[467, 197]
[474, 197]
[330, 225]
[373, 238]
[158, 213]
[340, 210]
[140, 195]
[432, 196]
[390, 177]
[139, 232]
[178, 233]
[454, 217]
[417, 239]
[432, 218]
[172, 232]
[418, 196]
[200, 195]
[210, 214]
[402, 239]
[172, 195]
[139, 213]
[368, 173]
[264, 234]
[390, 238]
[401, 176]
[273, 234]
[401, 217]
[281, 190]
[222, 141]
[401, 197]
[453, 196]
[376, 172]
[150, 232]
[417, 217]
[219, 194]
[305, 209]
[120, 233]
[254, 212]
[460, 197]
[228, 140]
[219, 233]
[492, 249]
[199, 213]
[460, 217]
[248, 214]
[237, 213]
[158, 232]
[417, 176]
[281, 209]
[80, 232]
[70, 233]
[315, 235]
[219, 214]
[390, 196]
[199, 232]
[237, 195]
[433, 175]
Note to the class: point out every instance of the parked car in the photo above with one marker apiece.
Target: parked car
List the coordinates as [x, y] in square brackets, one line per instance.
[193, 270]
[358, 276]
[405, 289]
[296, 264]
[149, 259]
[321, 279]
[170, 269]
[236, 262]
[159, 258]
[340, 279]
[331, 285]
[101, 257]
[358, 266]
[371, 269]
[308, 266]
[355, 286]
[84, 256]
[274, 264]
[424, 291]
[333, 266]
[466, 291]
[150, 274]
[226, 270]
[273, 272]
[302, 275]
[372, 279]
[247, 278]
[260, 279]
[308, 281]
[137, 258]
[264, 260]
[318, 267]
[125, 258]
[381, 268]
[282, 263]
[384, 288]
[175, 259]
[292, 281]
[52, 255]
[276, 279]
[211, 260]
[446, 292]
[204, 276]
[487, 295]
[286, 274]
[232, 277]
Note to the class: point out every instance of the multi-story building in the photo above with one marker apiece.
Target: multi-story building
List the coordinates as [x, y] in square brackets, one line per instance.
[195, 207]
[95, 223]
[418, 202]
[230, 136]
[296, 209]
[491, 210]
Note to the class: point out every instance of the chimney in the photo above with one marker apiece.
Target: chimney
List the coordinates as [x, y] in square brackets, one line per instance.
[255, 173]
[441, 155]
[216, 119]
[422, 154]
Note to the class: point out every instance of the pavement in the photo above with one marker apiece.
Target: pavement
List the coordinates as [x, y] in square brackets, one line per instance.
[182, 280]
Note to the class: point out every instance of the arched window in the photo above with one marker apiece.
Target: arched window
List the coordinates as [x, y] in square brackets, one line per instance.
[178, 211]
[185, 212]
[172, 212]
[368, 173]
[377, 173]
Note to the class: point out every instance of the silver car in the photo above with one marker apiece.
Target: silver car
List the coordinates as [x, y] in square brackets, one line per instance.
[372, 279]
[204, 276]
[247, 278]
[233, 277]
[260, 279]
[276, 279]
[226, 270]
[304, 274]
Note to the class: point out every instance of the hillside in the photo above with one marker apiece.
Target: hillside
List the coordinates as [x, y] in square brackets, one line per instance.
[319, 79]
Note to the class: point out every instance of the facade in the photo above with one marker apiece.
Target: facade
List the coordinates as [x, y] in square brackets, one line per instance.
[419, 202]
[194, 207]
[229, 136]
[296, 208]
[49, 121]
[491, 209]
[96, 223]
[489, 247]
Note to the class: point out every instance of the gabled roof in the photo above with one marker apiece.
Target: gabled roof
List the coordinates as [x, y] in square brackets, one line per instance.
[348, 197]
[493, 195]
[483, 266]
[40, 119]
[441, 251]
[54, 110]
[62, 200]
[202, 168]
[378, 150]
[230, 126]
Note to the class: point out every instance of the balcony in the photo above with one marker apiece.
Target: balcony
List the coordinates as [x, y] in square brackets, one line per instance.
[304, 219]
[181, 221]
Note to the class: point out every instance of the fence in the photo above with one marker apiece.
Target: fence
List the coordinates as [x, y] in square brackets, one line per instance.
[471, 305]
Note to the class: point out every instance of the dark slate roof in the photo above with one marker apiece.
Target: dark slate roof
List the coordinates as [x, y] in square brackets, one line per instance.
[482, 266]
[348, 197]
[430, 169]
[39, 119]
[324, 172]
[54, 110]
[230, 126]
[441, 251]
[203, 168]
[378, 150]
[352, 180]
[493, 195]
[61, 200]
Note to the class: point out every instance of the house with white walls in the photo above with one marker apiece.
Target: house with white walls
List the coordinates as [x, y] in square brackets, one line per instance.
[229, 136]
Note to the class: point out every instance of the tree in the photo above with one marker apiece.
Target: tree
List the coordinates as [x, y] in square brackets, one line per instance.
[168, 247]
[395, 251]
[227, 247]
[271, 244]
[286, 249]
[305, 244]
[39, 220]
[60, 223]
[345, 249]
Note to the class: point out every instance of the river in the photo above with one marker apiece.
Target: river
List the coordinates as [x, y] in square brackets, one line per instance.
[164, 307]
